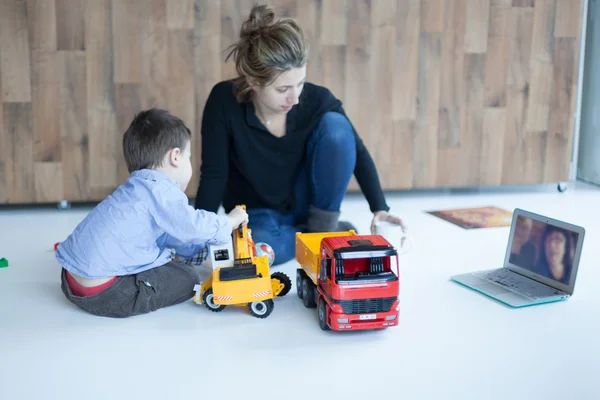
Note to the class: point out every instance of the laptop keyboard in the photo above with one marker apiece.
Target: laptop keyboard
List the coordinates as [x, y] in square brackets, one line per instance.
[518, 284]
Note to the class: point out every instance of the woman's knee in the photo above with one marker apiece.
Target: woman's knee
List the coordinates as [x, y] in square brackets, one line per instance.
[335, 129]
[282, 242]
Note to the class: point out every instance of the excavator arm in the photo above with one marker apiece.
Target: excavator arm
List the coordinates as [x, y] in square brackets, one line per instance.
[243, 245]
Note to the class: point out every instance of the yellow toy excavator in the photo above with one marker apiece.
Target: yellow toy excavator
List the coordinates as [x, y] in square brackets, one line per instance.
[241, 278]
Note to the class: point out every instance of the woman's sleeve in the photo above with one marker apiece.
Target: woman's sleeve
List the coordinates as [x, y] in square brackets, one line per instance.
[214, 160]
[366, 173]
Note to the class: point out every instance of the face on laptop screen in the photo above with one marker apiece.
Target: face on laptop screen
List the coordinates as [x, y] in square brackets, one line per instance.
[544, 249]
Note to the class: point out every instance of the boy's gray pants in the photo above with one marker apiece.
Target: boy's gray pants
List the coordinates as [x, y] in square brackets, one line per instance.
[129, 295]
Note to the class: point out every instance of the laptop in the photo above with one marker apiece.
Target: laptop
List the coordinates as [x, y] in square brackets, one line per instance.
[540, 265]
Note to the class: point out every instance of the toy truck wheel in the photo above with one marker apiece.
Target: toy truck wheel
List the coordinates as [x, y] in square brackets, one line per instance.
[261, 309]
[299, 283]
[308, 293]
[282, 278]
[208, 299]
[322, 312]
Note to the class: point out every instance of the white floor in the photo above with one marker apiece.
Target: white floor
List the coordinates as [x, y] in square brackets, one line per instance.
[451, 342]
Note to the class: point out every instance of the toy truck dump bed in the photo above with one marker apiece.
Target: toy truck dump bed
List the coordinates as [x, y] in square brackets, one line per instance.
[352, 279]
[308, 248]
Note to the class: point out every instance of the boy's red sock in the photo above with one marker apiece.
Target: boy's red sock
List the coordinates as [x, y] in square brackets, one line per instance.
[79, 290]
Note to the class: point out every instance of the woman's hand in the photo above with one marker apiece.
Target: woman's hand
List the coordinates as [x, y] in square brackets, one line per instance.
[385, 216]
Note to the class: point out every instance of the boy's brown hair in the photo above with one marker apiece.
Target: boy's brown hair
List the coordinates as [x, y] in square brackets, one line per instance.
[151, 134]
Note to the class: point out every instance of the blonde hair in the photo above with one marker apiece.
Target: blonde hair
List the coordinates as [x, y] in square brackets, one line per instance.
[266, 49]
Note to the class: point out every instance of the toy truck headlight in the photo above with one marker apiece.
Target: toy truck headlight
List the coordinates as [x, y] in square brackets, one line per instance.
[342, 320]
[390, 317]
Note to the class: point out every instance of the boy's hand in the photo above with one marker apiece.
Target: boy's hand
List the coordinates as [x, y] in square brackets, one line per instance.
[237, 217]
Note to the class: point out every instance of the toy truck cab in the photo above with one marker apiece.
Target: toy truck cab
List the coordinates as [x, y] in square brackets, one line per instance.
[353, 280]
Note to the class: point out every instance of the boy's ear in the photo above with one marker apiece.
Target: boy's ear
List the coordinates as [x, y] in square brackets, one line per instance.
[175, 156]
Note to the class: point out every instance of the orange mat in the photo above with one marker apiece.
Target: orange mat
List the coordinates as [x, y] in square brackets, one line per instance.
[476, 218]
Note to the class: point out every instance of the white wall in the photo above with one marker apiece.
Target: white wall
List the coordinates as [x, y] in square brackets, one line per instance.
[588, 165]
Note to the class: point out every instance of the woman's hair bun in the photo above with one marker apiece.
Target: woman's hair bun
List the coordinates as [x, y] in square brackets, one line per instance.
[261, 17]
[266, 48]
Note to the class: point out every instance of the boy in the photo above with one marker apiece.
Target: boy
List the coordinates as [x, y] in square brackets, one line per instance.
[119, 261]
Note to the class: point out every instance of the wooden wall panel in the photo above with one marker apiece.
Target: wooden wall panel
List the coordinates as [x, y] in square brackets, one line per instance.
[14, 48]
[517, 93]
[404, 99]
[444, 93]
[128, 103]
[432, 15]
[471, 144]
[127, 40]
[70, 20]
[180, 14]
[45, 107]
[476, 33]
[103, 136]
[18, 150]
[48, 184]
[4, 152]
[559, 108]
[233, 13]
[208, 53]
[73, 124]
[428, 99]
[498, 55]
[492, 150]
[181, 90]
[155, 47]
[523, 3]
[41, 18]
[309, 16]
[452, 108]
[357, 64]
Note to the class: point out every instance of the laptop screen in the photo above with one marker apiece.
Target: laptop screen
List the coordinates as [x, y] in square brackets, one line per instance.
[545, 249]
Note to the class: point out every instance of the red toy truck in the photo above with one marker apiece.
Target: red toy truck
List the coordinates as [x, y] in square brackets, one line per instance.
[351, 279]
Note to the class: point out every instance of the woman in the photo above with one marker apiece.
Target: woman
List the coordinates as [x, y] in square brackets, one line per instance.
[555, 259]
[522, 249]
[279, 145]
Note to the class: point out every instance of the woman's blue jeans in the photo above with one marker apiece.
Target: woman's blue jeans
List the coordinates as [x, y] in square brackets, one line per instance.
[322, 182]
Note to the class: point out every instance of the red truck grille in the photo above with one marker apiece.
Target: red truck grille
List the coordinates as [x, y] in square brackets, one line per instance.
[383, 304]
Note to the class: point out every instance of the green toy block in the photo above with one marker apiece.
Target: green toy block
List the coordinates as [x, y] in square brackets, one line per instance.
[3, 263]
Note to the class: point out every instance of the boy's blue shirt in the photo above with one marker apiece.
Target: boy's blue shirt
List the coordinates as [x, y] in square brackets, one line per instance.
[141, 225]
